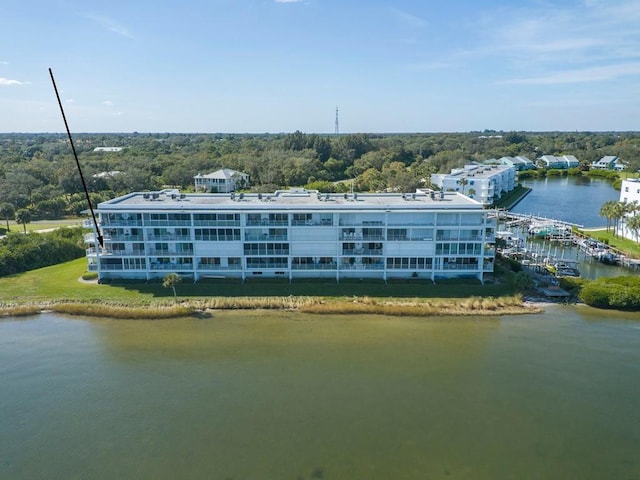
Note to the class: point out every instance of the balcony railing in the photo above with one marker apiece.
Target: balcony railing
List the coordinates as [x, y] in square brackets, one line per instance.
[216, 223]
[170, 253]
[368, 266]
[167, 223]
[314, 266]
[123, 253]
[169, 237]
[361, 251]
[124, 238]
[267, 223]
[264, 237]
[171, 266]
[216, 268]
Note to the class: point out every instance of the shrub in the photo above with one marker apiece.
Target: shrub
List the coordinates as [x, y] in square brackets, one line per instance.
[619, 292]
[90, 275]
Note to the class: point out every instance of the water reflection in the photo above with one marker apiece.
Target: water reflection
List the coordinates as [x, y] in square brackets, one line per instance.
[575, 199]
[292, 396]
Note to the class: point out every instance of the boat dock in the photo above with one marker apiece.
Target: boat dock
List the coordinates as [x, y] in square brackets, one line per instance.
[542, 243]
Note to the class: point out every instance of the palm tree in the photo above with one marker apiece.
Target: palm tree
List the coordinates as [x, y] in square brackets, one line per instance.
[633, 224]
[606, 210]
[464, 182]
[618, 211]
[170, 281]
[23, 216]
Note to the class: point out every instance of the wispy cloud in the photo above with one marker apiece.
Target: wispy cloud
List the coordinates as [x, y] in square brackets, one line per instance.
[4, 62]
[557, 43]
[7, 81]
[584, 75]
[408, 19]
[107, 103]
[288, 1]
[110, 24]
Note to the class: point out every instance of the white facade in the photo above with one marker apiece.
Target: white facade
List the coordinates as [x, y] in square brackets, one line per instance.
[107, 149]
[293, 234]
[484, 183]
[629, 193]
[221, 181]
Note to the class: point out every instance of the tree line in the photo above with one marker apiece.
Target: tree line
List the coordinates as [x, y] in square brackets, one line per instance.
[39, 178]
[20, 253]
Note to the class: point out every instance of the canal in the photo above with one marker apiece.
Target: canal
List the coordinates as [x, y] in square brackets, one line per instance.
[574, 199]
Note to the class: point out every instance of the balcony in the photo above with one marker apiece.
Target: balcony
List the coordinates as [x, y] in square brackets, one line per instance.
[313, 266]
[265, 222]
[216, 223]
[362, 266]
[218, 268]
[361, 251]
[123, 253]
[264, 238]
[169, 237]
[169, 253]
[171, 266]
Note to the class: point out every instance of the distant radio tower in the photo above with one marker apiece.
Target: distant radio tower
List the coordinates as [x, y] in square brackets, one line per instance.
[337, 126]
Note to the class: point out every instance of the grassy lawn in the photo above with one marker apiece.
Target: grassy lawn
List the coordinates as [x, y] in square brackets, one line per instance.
[629, 247]
[39, 225]
[61, 282]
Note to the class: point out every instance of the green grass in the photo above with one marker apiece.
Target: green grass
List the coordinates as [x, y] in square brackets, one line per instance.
[39, 225]
[61, 283]
[629, 247]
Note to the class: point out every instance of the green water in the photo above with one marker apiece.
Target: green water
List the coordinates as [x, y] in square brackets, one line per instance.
[284, 396]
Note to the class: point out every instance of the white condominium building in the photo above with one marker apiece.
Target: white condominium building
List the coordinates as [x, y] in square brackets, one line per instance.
[629, 194]
[484, 183]
[293, 234]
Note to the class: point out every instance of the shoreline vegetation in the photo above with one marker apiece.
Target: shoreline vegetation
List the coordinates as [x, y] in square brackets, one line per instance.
[414, 307]
[61, 289]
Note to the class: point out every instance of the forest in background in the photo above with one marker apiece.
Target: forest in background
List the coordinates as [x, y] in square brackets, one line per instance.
[39, 178]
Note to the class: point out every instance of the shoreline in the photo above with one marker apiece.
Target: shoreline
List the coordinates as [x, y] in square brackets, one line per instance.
[475, 306]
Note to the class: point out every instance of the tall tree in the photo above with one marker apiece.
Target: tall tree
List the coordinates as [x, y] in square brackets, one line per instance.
[607, 211]
[23, 216]
[7, 211]
[170, 281]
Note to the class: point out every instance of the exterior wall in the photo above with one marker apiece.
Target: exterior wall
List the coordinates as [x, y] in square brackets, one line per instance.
[489, 182]
[332, 242]
[219, 182]
[629, 193]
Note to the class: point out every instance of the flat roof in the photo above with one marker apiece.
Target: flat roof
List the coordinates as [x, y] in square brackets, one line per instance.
[289, 199]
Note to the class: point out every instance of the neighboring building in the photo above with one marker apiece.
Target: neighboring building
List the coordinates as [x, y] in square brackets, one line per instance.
[563, 162]
[629, 193]
[221, 181]
[110, 174]
[484, 183]
[609, 162]
[107, 149]
[293, 234]
[519, 163]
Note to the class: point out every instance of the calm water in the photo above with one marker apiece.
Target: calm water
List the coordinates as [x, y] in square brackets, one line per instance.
[283, 396]
[571, 199]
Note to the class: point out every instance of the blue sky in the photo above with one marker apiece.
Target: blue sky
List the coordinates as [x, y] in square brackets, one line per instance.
[279, 66]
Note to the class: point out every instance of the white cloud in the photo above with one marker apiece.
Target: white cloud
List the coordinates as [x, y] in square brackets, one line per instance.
[109, 24]
[288, 1]
[583, 75]
[6, 81]
[108, 103]
[408, 19]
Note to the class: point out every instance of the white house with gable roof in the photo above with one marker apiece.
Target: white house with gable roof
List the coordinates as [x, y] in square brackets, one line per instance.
[221, 181]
